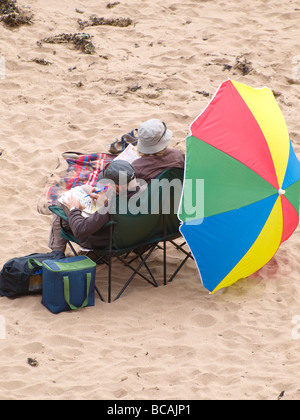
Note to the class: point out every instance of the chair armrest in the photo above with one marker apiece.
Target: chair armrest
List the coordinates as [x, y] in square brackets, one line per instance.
[111, 222]
[59, 212]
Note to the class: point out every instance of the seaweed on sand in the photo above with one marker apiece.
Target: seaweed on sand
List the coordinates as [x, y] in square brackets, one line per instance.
[81, 41]
[111, 5]
[95, 21]
[243, 65]
[41, 61]
[12, 16]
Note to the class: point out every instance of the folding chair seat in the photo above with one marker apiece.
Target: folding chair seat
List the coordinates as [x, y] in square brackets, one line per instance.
[139, 227]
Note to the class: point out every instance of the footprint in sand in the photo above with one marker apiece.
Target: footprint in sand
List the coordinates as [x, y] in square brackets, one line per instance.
[204, 320]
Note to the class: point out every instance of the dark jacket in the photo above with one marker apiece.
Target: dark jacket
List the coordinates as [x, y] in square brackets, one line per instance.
[148, 167]
[90, 231]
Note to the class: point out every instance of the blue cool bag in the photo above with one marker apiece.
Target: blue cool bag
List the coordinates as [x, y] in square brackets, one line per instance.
[68, 283]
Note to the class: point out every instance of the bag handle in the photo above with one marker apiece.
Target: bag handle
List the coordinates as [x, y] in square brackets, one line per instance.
[67, 291]
[32, 263]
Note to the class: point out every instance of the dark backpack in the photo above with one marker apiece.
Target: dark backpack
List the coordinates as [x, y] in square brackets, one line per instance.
[23, 275]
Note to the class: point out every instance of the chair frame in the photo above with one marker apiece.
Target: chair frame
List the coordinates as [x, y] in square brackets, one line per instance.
[107, 256]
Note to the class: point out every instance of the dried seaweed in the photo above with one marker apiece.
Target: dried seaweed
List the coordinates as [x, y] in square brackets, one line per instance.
[41, 61]
[81, 41]
[203, 92]
[8, 6]
[95, 21]
[111, 5]
[12, 16]
[243, 65]
[133, 88]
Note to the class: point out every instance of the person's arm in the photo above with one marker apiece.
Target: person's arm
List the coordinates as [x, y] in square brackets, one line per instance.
[83, 227]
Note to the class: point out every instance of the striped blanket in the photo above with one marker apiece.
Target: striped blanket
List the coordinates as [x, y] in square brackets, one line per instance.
[82, 170]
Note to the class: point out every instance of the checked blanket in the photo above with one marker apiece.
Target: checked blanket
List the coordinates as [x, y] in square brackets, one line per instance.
[83, 169]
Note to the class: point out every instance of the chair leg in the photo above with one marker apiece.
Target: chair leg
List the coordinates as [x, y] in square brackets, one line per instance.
[178, 269]
[188, 255]
[180, 248]
[99, 294]
[165, 249]
[72, 248]
[109, 278]
[110, 259]
[155, 284]
[133, 275]
[136, 271]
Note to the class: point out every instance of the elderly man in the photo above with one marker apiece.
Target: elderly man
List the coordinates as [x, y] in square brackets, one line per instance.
[153, 141]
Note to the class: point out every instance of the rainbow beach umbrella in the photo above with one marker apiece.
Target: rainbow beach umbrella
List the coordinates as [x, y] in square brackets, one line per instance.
[241, 190]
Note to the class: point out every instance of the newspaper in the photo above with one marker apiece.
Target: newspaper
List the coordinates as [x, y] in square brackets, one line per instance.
[130, 154]
[85, 200]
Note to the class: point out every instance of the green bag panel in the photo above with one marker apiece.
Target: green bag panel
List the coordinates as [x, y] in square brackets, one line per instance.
[69, 264]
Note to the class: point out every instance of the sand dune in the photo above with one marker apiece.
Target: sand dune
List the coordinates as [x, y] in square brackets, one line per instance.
[174, 342]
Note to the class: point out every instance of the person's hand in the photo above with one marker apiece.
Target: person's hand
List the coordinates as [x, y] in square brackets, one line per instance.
[74, 202]
[95, 196]
[102, 200]
[100, 197]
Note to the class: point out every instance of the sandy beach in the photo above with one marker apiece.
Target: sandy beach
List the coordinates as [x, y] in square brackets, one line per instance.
[171, 342]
